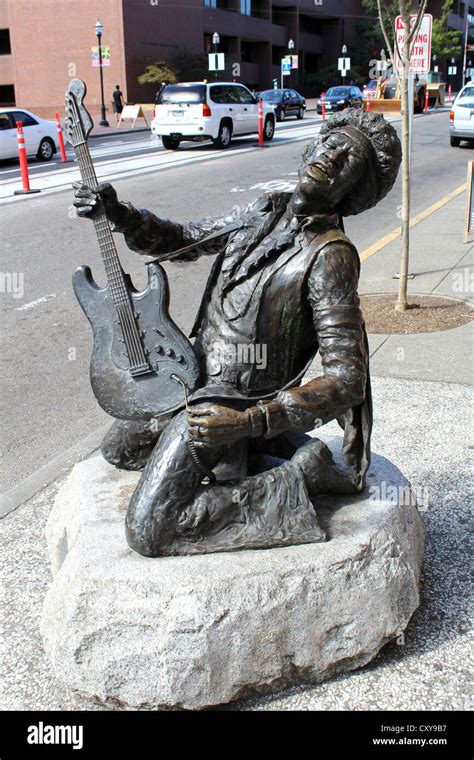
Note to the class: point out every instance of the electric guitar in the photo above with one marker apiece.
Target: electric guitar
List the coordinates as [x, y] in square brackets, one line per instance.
[140, 358]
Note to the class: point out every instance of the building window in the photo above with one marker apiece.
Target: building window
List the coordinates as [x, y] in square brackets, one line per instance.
[5, 47]
[246, 7]
[210, 3]
[7, 95]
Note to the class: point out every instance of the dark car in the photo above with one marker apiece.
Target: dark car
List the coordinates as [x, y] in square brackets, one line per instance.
[285, 103]
[337, 98]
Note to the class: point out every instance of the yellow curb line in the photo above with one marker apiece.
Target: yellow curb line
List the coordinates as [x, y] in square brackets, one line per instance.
[391, 236]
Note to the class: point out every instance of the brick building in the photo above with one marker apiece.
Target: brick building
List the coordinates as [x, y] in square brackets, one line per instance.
[44, 43]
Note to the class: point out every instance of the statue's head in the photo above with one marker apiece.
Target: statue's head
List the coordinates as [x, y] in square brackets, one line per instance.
[350, 166]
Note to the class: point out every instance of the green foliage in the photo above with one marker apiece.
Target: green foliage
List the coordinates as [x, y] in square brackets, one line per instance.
[157, 72]
[184, 67]
[445, 43]
[190, 67]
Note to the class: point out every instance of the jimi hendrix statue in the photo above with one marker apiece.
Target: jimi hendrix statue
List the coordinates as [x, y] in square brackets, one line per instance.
[233, 468]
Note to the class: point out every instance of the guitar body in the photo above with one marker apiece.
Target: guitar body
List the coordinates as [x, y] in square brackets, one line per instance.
[168, 351]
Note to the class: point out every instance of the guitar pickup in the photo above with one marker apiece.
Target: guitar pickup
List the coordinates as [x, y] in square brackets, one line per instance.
[140, 369]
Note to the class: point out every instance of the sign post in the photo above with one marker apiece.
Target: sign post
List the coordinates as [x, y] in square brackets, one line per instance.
[343, 64]
[102, 59]
[421, 53]
[419, 61]
[216, 61]
[285, 68]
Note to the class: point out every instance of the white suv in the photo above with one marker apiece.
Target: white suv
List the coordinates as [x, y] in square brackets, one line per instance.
[202, 111]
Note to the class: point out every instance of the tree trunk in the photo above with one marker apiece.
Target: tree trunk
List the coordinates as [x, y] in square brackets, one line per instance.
[401, 304]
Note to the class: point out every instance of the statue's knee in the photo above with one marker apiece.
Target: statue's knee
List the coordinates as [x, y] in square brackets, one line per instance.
[128, 444]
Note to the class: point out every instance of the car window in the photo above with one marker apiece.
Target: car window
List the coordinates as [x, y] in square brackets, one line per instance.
[338, 92]
[25, 118]
[294, 95]
[243, 95]
[286, 95]
[465, 98]
[272, 96]
[5, 122]
[218, 93]
[180, 93]
[231, 95]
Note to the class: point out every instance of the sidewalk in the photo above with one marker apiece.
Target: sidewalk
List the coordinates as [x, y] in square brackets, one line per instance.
[422, 425]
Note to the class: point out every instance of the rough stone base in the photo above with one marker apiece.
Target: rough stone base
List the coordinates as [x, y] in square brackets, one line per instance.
[188, 632]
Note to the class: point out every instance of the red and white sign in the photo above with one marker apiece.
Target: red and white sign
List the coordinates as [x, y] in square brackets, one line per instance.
[420, 62]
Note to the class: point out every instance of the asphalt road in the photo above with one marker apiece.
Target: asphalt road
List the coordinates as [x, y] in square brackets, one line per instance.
[46, 402]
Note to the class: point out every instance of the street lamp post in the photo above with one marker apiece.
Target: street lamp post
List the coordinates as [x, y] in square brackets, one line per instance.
[99, 28]
[344, 53]
[291, 47]
[215, 41]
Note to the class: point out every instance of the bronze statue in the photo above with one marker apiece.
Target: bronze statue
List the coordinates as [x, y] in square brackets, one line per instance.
[232, 468]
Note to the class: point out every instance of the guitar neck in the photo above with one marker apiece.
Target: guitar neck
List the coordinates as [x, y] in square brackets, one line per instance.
[113, 268]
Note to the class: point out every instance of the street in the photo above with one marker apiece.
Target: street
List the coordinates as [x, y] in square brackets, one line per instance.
[47, 404]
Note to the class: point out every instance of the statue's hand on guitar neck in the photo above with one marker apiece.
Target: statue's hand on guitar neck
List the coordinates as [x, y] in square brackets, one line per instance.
[87, 201]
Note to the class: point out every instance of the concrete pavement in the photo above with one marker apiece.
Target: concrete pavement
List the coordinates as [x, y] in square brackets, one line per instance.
[422, 424]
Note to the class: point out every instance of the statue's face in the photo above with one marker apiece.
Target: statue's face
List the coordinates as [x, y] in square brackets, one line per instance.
[331, 170]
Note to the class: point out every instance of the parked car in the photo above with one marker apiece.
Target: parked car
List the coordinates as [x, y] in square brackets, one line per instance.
[40, 134]
[461, 118]
[337, 98]
[202, 111]
[285, 103]
[369, 90]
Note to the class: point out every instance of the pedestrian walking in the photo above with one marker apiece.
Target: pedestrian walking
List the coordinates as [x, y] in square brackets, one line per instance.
[117, 102]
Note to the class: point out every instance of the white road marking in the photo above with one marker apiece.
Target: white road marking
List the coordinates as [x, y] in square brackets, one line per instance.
[33, 304]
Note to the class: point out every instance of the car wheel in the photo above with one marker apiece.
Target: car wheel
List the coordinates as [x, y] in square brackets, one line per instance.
[224, 137]
[170, 143]
[268, 129]
[279, 115]
[300, 114]
[455, 142]
[45, 150]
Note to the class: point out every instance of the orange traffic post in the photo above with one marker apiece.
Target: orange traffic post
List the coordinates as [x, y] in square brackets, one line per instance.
[23, 162]
[427, 97]
[323, 106]
[260, 123]
[60, 138]
[367, 104]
